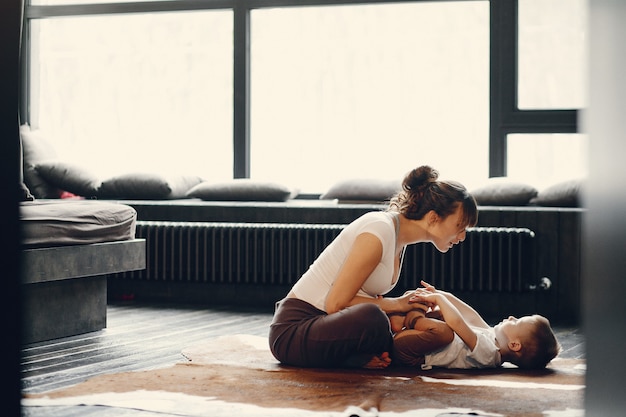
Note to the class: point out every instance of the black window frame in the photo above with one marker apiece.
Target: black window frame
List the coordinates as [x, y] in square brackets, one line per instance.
[504, 115]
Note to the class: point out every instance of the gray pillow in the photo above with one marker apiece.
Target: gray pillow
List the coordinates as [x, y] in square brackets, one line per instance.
[563, 194]
[147, 186]
[363, 189]
[242, 189]
[38, 186]
[69, 177]
[35, 149]
[503, 191]
[24, 192]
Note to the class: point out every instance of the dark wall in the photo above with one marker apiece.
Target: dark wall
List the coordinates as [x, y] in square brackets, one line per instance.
[10, 23]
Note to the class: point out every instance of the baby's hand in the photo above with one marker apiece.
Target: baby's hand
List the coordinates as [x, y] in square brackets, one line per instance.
[428, 287]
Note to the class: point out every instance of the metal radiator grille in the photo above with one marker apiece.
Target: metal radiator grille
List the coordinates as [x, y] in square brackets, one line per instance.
[490, 259]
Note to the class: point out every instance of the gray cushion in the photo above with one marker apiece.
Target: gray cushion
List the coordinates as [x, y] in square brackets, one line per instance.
[242, 189]
[147, 185]
[562, 194]
[363, 189]
[70, 177]
[35, 149]
[503, 191]
[72, 222]
[24, 192]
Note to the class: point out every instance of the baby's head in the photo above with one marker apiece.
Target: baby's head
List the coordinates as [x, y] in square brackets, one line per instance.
[530, 341]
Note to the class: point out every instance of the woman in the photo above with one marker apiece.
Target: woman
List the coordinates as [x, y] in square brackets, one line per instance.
[336, 315]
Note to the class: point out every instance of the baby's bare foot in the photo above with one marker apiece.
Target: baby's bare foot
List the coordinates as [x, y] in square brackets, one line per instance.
[379, 362]
[397, 322]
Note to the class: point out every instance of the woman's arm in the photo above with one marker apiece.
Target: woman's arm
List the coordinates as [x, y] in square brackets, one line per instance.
[364, 256]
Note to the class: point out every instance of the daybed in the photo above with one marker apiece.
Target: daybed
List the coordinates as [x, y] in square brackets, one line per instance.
[69, 248]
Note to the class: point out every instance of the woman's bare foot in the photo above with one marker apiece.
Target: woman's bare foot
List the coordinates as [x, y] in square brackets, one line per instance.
[379, 362]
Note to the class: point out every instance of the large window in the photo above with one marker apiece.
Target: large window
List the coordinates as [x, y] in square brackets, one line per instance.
[313, 94]
[545, 159]
[552, 54]
[367, 91]
[136, 91]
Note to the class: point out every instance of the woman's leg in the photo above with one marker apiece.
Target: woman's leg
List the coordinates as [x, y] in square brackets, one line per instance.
[425, 336]
[302, 335]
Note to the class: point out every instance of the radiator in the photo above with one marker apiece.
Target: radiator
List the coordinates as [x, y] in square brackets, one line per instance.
[490, 259]
[230, 253]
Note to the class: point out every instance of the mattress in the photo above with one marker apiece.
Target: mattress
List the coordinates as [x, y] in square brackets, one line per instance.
[75, 222]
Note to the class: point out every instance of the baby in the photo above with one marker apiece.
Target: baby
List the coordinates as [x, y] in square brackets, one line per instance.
[451, 334]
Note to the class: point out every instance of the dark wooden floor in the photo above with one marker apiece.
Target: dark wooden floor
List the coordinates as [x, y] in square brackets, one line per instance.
[148, 336]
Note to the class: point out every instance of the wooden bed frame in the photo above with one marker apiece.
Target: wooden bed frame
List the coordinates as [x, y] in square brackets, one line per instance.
[64, 288]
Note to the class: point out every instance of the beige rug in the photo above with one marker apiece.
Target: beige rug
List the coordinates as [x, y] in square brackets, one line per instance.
[237, 375]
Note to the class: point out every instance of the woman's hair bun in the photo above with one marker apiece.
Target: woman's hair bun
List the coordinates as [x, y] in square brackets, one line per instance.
[420, 178]
[422, 191]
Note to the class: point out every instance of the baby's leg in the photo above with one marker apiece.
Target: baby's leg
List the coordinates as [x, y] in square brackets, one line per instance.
[426, 336]
[411, 318]
[400, 322]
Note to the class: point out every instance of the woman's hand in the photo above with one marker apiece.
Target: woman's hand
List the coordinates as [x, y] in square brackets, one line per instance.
[407, 302]
[432, 299]
[410, 300]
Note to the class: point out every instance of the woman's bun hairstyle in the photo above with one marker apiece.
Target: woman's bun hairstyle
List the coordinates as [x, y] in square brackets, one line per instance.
[418, 180]
[422, 191]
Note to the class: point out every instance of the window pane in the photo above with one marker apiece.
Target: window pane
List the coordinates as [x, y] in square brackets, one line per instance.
[552, 54]
[370, 91]
[545, 159]
[140, 91]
